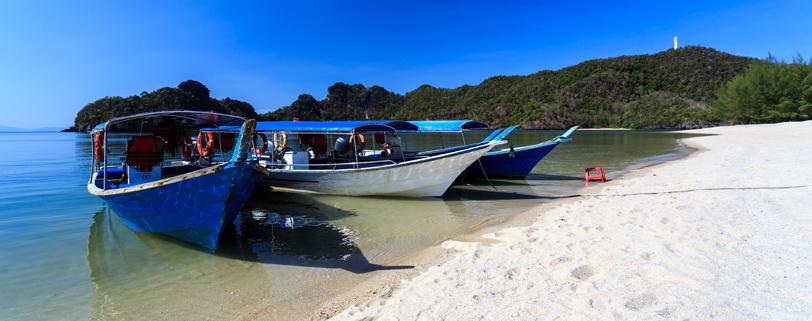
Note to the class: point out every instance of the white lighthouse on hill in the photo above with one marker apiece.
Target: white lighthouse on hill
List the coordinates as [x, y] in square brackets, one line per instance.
[675, 43]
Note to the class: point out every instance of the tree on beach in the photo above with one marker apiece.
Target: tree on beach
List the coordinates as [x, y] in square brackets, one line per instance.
[769, 91]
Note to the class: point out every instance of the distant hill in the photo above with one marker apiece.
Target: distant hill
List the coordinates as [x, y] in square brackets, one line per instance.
[668, 89]
[189, 95]
[17, 129]
[10, 129]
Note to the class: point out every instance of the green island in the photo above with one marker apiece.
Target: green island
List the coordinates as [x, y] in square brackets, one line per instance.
[690, 87]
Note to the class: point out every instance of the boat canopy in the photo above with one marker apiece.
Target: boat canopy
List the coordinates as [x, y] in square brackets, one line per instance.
[190, 119]
[398, 125]
[448, 125]
[339, 126]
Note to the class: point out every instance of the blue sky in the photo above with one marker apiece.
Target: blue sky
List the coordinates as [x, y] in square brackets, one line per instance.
[58, 56]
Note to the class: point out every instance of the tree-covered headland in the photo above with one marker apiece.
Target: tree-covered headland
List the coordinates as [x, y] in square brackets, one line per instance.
[678, 88]
[188, 95]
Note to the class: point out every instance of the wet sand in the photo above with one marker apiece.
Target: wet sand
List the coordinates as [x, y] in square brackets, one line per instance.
[722, 234]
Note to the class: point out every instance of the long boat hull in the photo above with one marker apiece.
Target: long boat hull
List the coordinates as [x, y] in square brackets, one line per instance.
[193, 207]
[425, 177]
[506, 164]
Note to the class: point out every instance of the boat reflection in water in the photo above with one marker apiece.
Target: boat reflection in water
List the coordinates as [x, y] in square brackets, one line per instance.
[262, 235]
[263, 259]
[269, 237]
[146, 276]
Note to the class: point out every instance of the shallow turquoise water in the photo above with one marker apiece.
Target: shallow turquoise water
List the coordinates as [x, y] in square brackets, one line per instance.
[64, 256]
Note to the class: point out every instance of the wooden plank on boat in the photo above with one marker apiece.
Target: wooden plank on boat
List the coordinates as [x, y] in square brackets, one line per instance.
[169, 180]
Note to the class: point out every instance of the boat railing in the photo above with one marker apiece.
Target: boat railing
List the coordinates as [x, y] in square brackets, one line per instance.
[332, 166]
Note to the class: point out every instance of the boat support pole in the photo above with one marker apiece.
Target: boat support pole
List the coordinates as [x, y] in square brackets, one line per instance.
[462, 134]
[354, 147]
[481, 167]
[104, 184]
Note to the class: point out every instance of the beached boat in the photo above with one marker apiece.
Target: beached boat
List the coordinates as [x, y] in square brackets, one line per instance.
[356, 165]
[511, 162]
[190, 198]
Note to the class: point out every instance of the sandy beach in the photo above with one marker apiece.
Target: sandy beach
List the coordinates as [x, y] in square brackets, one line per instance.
[722, 234]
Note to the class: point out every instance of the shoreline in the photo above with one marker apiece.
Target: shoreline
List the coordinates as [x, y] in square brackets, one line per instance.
[448, 253]
[381, 286]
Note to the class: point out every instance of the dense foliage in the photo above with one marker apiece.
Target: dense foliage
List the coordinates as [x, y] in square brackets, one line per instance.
[189, 95]
[668, 89]
[343, 102]
[769, 91]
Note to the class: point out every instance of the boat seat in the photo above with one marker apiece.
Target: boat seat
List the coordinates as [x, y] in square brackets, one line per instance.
[143, 153]
[115, 177]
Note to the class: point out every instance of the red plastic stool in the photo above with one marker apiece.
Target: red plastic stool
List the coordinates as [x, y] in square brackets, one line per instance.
[601, 175]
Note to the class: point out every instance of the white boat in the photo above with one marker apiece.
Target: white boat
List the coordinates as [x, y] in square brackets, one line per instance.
[422, 177]
[355, 165]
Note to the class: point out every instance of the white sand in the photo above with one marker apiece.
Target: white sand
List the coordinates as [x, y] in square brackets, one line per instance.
[724, 234]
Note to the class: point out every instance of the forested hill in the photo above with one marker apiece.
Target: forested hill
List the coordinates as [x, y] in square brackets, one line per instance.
[668, 89]
[189, 95]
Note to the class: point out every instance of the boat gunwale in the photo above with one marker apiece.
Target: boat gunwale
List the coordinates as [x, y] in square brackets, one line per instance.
[545, 143]
[563, 138]
[95, 190]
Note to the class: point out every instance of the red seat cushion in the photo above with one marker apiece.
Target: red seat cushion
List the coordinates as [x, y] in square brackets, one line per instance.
[143, 152]
[225, 140]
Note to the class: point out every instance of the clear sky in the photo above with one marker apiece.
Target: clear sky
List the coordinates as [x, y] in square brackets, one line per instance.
[56, 56]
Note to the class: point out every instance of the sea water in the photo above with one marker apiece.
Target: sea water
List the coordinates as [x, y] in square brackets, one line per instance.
[65, 256]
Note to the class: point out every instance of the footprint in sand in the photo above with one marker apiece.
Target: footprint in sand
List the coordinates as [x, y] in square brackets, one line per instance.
[514, 273]
[583, 272]
[559, 260]
[479, 253]
[665, 312]
[640, 302]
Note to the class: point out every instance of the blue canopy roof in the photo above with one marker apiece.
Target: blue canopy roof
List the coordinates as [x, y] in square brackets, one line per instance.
[396, 124]
[190, 118]
[448, 125]
[342, 126]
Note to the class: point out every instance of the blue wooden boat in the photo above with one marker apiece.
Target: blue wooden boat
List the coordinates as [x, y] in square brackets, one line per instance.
[512, 162]
[191, 198]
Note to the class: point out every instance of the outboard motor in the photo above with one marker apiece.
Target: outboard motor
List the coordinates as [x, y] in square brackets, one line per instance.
[342, 146]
